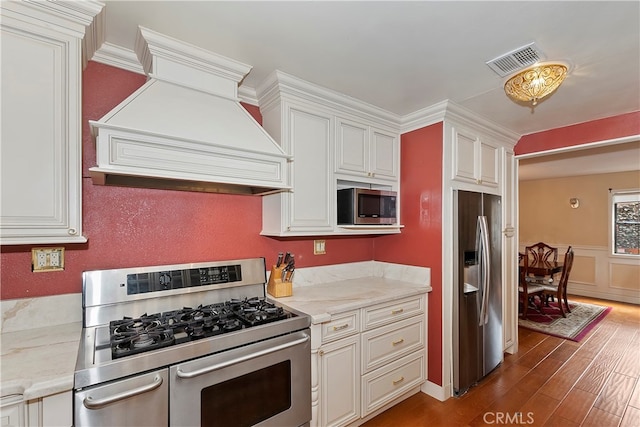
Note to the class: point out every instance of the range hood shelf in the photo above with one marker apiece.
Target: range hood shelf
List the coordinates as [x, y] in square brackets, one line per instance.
[185, 129]
[101, 177]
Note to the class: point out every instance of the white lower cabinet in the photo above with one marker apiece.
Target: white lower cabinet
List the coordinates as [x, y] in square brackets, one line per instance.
[54, 410]
[383, 385]
[368, 359]
[340, 379]
[12, 411]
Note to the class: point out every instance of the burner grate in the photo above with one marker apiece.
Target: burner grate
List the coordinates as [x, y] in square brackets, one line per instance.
[150, 332]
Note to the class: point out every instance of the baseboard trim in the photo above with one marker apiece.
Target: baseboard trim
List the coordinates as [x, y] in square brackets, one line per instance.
[436, 391]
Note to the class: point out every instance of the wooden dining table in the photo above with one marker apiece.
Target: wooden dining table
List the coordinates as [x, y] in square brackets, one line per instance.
[543, 268]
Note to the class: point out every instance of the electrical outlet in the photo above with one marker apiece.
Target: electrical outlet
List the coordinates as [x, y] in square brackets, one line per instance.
[319, 247]
[47, 259]
[54, 259]
[41, 260]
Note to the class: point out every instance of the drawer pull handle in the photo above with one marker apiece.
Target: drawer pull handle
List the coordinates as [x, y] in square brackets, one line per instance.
[339, 328]
[398, 381]
[400, 341]
[398, 311]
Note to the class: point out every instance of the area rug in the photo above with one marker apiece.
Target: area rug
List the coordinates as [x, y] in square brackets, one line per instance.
[548, 320]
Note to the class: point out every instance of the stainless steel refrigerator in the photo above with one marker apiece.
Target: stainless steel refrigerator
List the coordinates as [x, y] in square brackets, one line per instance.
[477, 297]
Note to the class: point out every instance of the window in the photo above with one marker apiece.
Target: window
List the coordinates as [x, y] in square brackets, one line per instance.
[625, 222]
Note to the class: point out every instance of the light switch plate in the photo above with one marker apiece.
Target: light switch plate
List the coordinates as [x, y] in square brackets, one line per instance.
[47, 259]
[319, 247]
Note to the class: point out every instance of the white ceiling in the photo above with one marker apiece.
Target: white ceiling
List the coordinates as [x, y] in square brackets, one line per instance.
[405, 56]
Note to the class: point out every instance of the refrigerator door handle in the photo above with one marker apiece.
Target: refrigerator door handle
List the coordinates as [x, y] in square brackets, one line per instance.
[485, 268]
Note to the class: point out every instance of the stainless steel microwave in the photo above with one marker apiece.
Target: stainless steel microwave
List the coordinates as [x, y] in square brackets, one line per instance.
[360, 206]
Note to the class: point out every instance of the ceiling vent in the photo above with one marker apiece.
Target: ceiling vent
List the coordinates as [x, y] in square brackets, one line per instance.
[516, 60]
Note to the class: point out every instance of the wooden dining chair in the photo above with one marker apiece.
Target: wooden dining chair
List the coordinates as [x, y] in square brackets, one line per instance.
[549, 291]
[526, 290]
[541, 252]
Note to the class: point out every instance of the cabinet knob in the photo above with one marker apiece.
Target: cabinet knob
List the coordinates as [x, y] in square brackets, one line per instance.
[72, 231]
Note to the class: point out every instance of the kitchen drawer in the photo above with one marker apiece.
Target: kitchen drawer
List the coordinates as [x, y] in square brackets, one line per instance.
[340, 326]
[383, 314]
[381, 386]
[383, 345]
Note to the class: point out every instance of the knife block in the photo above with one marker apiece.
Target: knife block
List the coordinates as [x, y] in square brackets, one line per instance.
[276, 287]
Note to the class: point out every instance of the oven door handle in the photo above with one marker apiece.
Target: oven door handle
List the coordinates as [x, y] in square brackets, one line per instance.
[91, 403]
[182, 374]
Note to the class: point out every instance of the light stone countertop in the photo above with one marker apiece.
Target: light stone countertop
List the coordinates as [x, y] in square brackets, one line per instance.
[39, 345]
[321, 301]
[324, 291]
[40, 336]
[39, 362]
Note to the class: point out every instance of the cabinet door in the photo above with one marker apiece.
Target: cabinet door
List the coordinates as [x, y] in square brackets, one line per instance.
[12, 411]
[464, 156]
[340, 382]
[312, 201]
[384, 154]
[41, 143]
[352, 147]
[475, 160]
[489, 163]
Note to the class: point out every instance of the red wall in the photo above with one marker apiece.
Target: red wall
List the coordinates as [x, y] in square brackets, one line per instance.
[420, 242]
[129, 227]
[582, 133]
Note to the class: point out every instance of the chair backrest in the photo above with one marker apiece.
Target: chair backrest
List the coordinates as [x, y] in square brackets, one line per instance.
[566, 269]
[541, 252]
[524, 269]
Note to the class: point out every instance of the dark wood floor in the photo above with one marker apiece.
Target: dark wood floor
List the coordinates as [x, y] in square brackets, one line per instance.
[550, 382]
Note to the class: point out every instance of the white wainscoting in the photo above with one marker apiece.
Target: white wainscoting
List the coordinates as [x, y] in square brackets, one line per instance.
[597, 274]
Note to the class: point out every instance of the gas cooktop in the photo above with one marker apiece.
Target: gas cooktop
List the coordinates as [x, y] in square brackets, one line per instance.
[153, 331]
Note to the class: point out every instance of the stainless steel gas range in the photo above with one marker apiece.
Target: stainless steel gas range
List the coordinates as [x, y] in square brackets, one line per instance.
[190, 345]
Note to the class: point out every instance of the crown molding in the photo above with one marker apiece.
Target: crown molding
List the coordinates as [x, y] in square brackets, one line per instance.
[459, 114]
[118, 57]
[424, 117]
[280, 83]
[84, 20]
[127, 59]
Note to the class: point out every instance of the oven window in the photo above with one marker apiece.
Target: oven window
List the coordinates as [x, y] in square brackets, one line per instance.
[249, 399]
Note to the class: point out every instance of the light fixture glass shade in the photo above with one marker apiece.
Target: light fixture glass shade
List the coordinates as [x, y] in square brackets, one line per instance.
[536, 82]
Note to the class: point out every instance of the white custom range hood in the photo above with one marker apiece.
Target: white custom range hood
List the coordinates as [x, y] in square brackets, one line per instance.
[185, 129]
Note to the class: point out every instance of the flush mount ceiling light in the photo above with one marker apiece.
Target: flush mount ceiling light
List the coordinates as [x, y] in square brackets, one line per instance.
[536, 82]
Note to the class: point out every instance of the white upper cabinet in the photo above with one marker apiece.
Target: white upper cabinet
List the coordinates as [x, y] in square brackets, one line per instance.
[307, 210]
[366, 151]
[327, 150]
[476, 160]
[41, 171]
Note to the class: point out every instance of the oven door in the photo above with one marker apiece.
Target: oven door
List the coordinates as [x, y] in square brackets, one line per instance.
[267, 383]
[136, 401]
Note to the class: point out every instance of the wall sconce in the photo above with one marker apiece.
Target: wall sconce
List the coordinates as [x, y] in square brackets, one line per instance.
[574, 202]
